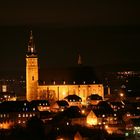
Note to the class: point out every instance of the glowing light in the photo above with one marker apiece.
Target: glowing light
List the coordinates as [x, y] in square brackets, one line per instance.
[103, 115]
[106, 126]
[115, 115]
[64, 93]
[83, 111]
[92, 119]
[32, 50]
[128, 114]
[121, 94]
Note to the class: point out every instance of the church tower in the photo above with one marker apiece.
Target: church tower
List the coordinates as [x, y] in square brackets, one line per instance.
[31, 71]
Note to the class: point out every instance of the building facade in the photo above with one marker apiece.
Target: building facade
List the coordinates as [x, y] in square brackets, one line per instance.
[54, 91]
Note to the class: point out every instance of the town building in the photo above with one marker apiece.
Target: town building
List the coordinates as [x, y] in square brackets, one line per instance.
[81, 83]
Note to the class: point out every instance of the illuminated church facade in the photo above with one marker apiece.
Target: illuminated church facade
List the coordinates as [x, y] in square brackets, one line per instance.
[56, 89]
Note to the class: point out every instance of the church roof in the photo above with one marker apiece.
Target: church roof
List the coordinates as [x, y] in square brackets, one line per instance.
[69, 75]
[73, 98]
[94, 97]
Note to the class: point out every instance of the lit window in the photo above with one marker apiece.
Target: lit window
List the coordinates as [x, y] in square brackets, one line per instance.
[128, 115]
[19, 115]
[26, 115]
[23, 121]
[54, 82]
[4, 88]
[23, 115]
[33, 114]
[103, 115]
[19, 121]
[33, 109]
[24, 104]
[32, 49]
[138, 107]
[30, 115]
[5, 96]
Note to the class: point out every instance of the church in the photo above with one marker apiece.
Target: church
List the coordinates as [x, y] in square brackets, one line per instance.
[58, 83]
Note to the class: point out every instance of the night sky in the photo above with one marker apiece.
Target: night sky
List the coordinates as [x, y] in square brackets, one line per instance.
[103, 32]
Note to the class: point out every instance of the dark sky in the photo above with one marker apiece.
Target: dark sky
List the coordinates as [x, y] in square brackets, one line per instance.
[103, 32]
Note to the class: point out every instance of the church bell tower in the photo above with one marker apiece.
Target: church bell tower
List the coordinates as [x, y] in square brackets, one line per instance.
[31, 70]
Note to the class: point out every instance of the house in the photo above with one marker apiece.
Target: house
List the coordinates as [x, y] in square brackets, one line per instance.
[42, 105]
[78, 136]
[74, 100]
[60, 105]
[94, 99]
[92, 119]
[16, 112]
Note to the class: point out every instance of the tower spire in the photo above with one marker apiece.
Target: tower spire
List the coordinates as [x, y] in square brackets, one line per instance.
[31, 45]
[79, 60]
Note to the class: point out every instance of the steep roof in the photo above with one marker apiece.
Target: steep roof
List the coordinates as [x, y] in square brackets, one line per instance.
[73, 98]
[94, 97]
[71, 75]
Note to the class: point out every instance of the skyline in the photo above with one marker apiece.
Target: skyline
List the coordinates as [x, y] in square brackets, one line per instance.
[104, 33]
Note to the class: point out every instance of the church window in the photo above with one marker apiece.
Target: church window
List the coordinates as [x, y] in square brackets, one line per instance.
[84, 92]
[32, 50]
[32, 78]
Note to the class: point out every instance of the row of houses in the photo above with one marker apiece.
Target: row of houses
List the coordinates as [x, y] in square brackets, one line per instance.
[114, 117]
